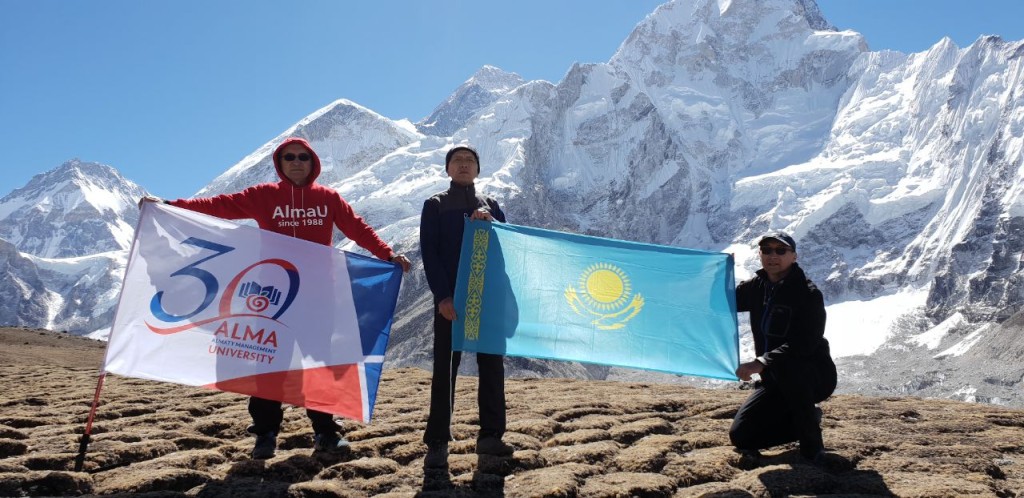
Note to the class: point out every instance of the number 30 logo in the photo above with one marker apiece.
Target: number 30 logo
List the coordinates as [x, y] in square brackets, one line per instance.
[211, 287]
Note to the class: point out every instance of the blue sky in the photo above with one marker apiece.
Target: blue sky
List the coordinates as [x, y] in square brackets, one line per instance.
[172, 93]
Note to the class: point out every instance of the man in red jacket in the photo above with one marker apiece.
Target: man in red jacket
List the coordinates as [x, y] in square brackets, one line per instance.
[296, 206]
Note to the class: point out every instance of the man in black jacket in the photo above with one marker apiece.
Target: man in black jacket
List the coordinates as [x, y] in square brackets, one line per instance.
[441, 227]
[787, 319]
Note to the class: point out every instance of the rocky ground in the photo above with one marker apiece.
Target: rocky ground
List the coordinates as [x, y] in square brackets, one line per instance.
[574, 439]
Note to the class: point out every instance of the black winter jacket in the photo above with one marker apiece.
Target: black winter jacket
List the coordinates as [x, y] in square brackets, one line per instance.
[441, 225]
[787, 319]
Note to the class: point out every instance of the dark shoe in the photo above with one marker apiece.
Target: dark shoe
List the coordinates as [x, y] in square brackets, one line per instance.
[492, 445]
[437, 456]
[329, 442]
[749, 459]
[748, 453]
[265, 446]
[816, 458]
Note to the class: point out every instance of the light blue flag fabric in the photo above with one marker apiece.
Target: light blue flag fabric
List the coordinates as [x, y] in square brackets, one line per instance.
[538, 293]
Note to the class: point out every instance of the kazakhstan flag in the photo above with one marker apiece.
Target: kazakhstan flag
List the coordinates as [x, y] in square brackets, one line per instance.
[542, 294]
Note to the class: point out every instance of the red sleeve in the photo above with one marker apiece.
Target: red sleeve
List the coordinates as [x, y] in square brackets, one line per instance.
[235, 206]
[355, 228]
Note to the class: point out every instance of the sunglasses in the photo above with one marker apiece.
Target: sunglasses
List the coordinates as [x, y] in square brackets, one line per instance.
[291, 157]
[779, 251]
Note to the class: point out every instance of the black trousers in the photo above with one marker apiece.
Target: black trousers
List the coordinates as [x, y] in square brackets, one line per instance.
[490, 395]
[781, 409]
[267, 416]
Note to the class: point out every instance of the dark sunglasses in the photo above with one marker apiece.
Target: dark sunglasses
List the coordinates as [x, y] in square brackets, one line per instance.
[779, 251]
[291, 157]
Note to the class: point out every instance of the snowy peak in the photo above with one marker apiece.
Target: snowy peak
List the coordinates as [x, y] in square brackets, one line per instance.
[484, 88]
[76, 209]
[756, 75]
[493, 80]
[757, 37]
[74, 173]
[347, 136]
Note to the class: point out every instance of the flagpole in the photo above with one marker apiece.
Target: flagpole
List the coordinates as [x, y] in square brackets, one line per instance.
[84, 444]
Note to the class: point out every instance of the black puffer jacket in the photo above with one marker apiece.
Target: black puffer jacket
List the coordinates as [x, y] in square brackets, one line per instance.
[441, 225]
[787, 319]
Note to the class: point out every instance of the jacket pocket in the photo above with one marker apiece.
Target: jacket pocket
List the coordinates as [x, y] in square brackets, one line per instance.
[781, 318]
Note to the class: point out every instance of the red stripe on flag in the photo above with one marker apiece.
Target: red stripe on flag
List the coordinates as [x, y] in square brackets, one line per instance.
[333, 389]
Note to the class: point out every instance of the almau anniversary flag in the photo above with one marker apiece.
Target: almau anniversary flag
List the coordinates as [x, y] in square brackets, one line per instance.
[525, 291]
[208, 302]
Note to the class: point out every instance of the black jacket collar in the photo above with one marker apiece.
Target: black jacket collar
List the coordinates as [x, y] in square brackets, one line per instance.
[796, 274]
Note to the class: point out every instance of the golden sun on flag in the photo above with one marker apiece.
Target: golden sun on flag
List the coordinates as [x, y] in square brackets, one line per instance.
[604, 292]
[607, 286]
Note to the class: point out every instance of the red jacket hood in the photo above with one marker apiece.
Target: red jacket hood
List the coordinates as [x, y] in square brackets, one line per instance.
[313, 174]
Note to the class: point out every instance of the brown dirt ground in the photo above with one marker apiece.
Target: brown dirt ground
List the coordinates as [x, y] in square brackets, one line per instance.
[573, 438]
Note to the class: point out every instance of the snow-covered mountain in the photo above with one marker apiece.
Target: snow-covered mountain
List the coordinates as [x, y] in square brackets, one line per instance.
[63, 247]
[347, 136]
[68, 294]
[900, 176]
[77, 209]
[481, 90]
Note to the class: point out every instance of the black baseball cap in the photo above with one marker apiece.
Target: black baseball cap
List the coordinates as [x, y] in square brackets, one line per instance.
[781, 237]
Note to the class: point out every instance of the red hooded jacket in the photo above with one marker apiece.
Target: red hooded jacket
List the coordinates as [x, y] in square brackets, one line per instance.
[309, 212]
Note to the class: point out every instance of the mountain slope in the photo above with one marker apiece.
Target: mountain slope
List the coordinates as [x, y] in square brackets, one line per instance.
[70, 294]
[347, 136]
[76, 209]
[478, 92]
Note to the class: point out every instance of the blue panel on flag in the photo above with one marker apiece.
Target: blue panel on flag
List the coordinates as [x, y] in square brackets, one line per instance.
[375, 286]
[538, 293]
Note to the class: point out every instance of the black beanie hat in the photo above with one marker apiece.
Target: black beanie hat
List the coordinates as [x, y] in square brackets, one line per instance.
[448, 156]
